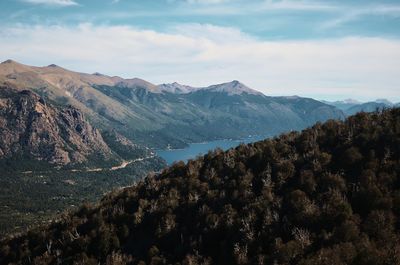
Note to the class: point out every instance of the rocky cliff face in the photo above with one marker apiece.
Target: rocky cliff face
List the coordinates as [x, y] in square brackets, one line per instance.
[31, 127]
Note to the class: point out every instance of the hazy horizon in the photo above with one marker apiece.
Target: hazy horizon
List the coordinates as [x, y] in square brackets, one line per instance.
[327, 50]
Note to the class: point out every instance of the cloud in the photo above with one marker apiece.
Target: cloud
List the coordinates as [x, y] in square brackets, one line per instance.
[352, 14]
[241, 7]
[207, 1]
[296, 5]
[267, 4]
[197, 54]
[52, 2]
[211, 33]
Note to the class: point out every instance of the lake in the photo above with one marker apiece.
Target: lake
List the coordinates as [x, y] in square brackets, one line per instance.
[196, 149]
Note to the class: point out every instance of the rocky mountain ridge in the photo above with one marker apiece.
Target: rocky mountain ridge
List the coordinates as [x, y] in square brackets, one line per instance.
[168, 115]
[231, 88]
[32, 128]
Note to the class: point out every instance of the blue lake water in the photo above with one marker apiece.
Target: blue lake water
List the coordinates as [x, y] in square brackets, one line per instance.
[196, 149]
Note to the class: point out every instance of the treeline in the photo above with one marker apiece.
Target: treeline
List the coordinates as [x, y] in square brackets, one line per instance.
[327, 195]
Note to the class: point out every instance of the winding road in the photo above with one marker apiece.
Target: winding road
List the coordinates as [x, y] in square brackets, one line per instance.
[124, 164]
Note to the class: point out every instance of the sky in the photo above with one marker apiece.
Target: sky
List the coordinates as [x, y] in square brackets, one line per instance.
[329, 49]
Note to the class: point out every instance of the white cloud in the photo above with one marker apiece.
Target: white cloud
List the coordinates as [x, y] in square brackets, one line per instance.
[353, 14]
[299, 5]
[267, 4]
[195, 54]
[207, 1]
[52, 2]
[240, 7]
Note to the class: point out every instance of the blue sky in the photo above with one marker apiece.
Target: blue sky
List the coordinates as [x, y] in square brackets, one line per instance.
[323, 49]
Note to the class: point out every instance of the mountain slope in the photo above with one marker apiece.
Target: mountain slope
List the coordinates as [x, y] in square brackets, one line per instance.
[328, 195]
[367, 107]
[343, 105]
[229, 110]
[30, 127]
[51, 159]
[351, 107]
[164, 115]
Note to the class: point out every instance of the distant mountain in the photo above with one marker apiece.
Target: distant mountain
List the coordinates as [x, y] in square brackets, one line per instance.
[343, 105]
[329, 195]
[368, 107]
[231, 88]
[384, 101]
[351, 106]
[176, 88]
[168, 114]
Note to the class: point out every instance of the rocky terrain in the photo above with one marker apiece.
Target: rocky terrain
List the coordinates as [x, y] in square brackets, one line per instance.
[52, 159]
[33, 128]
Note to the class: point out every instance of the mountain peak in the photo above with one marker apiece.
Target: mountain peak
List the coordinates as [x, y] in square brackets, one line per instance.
[233, 88]
[235, 82]
[10, 67]
[176, 88]
[384, 101]
[9, 61]
[351, 101]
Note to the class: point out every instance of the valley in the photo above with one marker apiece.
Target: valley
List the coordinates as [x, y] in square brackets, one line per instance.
[69, 137]
[326, 195]
[32, 198]
[199, 132]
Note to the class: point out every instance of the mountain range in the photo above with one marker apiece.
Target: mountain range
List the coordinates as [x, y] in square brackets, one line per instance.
[68, 137]
[351, 106]
[169, 114]
[329, 195]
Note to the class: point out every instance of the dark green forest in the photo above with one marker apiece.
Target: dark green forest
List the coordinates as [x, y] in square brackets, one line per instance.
[34, 197]
[327, 195]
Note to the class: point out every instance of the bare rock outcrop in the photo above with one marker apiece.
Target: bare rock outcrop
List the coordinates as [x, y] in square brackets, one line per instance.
[31, 127]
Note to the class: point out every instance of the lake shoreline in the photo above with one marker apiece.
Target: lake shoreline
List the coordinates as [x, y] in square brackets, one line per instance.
[201, 148]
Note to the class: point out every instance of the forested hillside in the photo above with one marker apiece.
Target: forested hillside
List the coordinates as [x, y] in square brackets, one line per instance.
[327, 195]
